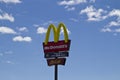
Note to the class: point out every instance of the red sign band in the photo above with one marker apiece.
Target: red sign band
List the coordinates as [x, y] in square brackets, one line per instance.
[56, 46]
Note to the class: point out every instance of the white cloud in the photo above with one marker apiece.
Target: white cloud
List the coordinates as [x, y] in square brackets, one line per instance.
[114, 23]
[71, 2]
[6, 16]
[11, 1]
[106, 30]
[93, 14]
[109, 28]
[115, 12]
[112, 27]
[41, 30]
[23, 29]
[22, 39]
[6, 30]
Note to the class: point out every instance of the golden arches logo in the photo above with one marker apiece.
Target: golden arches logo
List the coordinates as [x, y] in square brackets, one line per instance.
[56, 32]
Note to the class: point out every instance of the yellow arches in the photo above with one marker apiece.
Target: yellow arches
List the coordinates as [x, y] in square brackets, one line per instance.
[56, 32]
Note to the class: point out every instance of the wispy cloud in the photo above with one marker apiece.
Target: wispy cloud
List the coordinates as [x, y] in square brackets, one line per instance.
[69, 5]
[117, 30]
[49, 22]
[69, 8]
[94, 14]
[6, 30]
[114, 12]
[22, 39]
[41, 30]
[92, 1]
[73, 19]
[1, 54]
[71, 2]
[11, 1]
[9, 62]
[6, 57]
[23, 29]
[114, 23]
[106, 30]
[62, 31]
[35, 25]
[113, 26]
[8, 52]
[6, 16]
[110, 29]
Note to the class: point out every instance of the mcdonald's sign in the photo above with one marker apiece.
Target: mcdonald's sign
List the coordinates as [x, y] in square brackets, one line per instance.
[56, 45]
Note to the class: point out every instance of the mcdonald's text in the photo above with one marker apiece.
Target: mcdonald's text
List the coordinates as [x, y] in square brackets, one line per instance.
[56, 46]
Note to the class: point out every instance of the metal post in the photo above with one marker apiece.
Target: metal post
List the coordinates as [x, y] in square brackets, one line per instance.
[56, 71]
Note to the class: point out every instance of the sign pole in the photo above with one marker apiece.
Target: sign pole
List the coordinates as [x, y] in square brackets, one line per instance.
[56, 72]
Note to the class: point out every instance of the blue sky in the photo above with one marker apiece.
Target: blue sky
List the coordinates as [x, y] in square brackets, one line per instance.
[94, 29]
